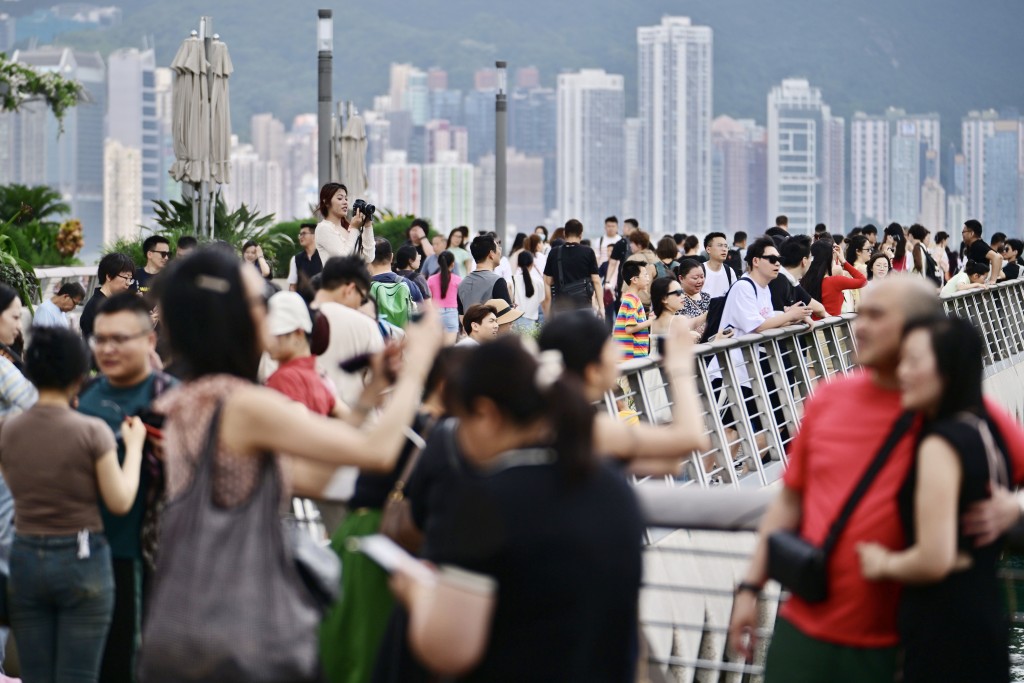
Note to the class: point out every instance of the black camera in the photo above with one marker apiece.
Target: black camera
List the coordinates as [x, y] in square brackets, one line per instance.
[366, 209]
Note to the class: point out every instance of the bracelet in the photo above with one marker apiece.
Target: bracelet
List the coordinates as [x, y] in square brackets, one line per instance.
[746, 586]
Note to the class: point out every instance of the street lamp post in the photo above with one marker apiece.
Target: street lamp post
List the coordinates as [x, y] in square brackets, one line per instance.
[500, 148]
[325, 52]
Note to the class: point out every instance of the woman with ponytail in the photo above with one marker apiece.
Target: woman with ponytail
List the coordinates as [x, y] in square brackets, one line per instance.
[510, 488]
[444, 287]
[530, 293]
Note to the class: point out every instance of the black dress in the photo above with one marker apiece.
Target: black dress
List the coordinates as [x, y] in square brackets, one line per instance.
[957, 629]
[566, 556]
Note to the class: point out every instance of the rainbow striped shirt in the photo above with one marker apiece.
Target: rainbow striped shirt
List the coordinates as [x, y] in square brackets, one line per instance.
[631, 313]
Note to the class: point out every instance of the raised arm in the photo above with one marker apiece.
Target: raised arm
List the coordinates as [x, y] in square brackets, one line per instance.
[119, 484]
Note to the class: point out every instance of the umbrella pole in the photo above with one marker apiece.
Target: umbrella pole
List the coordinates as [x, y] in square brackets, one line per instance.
[196, 208]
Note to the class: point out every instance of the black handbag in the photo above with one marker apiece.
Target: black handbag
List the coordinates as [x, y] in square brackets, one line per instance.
[802, 567]
[580, 289]
[229, 604]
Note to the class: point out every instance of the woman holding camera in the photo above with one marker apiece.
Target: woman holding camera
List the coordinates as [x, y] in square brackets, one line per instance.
[335, 234]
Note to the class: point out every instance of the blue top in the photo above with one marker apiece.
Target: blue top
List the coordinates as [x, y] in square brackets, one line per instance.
[48, 315]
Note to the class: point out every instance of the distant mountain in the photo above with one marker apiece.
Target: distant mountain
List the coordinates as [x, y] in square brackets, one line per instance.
[948, 56]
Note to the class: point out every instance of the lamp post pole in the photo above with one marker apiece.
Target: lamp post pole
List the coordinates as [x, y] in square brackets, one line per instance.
[500, 148]
[325, 52]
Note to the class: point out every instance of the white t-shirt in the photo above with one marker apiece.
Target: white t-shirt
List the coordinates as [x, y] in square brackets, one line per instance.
[352, 333]
[602, 246]
[504, 269]
[717, 284]
[529, 305]
[746, 309]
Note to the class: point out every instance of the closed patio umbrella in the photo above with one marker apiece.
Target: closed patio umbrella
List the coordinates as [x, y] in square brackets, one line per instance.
[190, 117]
[220, 113]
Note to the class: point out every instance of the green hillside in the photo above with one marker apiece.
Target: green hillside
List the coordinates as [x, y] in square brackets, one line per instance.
[924, 55]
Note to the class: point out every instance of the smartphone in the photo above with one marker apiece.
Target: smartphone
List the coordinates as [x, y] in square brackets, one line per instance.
[356, 363]
[389, 555]
[154, 423]
[660, 345]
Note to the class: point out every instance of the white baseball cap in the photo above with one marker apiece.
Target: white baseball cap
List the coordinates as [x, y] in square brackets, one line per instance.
[287, 312]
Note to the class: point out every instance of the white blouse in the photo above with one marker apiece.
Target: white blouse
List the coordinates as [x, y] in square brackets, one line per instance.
[333, 240]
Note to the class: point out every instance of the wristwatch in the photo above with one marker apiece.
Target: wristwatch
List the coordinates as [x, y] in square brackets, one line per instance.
[746, 586]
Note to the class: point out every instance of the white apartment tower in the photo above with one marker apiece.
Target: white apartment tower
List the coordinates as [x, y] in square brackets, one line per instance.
[993, 144]
[448, 192]
[133, 121]
[122, 191]
[591, 115]
[805, 158]
[675, 75]
[397, 185]
[892, 157]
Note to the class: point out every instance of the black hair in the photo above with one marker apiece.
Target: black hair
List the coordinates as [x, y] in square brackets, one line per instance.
[405, 255]
[327, 193]
[517, 243]
[190, 242]
[573, 228]
[343, 270]
[853, 246]
[445, 261]
[959, 360]
[918, 232]
[72, 290]
[1017, 245]
[941, 236]
[309, 226]
[895, 231]
[838, 238]
[249, 243]
[524, 263]
[7, 295]
[112, 265]
[418, 223]
[659, 290]
[630, 270]
[781, 221]
[152, 241]
[739, 236]
[383, 252]
[820, 268]
[205, 310]
[56, 358]
[632, 221]
[679, 238]
[877, 256]
[579, 335]
[689, 243]
[445, 364]
[997, 237]
[776, 231]
[476, 314]
[869, 229]
[688, 264]
[541, 227]
[976, 268]
[505, 373]
[854, 233]
[711, 236]
[757, 249]
[794, 250]
[481, 247]
[820, 227]
[126, 302]
[612, 219]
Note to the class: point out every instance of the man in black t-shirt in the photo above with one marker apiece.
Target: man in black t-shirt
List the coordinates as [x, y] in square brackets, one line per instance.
[786, 290]
[157, 250]
[978, 250]
[571, 271]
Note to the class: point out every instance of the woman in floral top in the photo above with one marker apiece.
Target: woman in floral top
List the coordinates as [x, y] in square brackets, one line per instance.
[695, 300]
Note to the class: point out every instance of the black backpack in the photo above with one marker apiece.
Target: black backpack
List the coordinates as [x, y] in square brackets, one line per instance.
[931, 268]
[715, 309]
[734, 260]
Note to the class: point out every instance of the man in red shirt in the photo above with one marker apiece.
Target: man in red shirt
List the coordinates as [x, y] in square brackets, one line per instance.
[296, 377]
[852, 635]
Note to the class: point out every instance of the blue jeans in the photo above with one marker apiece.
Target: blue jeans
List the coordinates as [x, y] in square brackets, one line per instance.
[60, 607]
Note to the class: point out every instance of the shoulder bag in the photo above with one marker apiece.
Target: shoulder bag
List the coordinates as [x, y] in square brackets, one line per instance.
[801, 566]
[581, 289]
[229, 604]
[396, 519]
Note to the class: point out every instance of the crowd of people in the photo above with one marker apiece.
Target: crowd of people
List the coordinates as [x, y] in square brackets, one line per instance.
[462, 384]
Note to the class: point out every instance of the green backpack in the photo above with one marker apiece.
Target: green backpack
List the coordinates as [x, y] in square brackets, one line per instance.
[394, 301]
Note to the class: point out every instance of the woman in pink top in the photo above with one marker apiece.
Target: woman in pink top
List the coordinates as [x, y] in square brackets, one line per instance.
[444, 287]
[829, 275]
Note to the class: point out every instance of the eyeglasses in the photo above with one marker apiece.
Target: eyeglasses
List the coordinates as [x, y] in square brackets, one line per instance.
[116, 340]
[865, 251]
[364, 296]
[163, 254]
[129, 280]
[772, 259]
[305, 233]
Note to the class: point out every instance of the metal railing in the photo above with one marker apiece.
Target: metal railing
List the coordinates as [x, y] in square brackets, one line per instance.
[700, 541]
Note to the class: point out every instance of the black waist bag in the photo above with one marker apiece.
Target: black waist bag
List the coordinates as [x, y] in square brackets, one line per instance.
[802, 567]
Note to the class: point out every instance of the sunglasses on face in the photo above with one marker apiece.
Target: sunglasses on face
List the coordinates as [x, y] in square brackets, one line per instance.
[162, 254]
[772, 259]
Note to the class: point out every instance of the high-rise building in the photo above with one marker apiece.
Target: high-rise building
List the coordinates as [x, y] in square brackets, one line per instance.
[956, 214]
[478, 108]
[269, 142]
[527, 77]
[397, 185]
[448, 193]
[632, 155]
[254, 182]
[591, 154]
[532, 121]
[71, 162]
[805, 158]
[437, 78]
[485, 79]
[164, 96]
[447, 105]
[933, 206]
[892, 155]
[739, 175]
[993, 169]
[675, 75]
[416, 98]
[122, 190]
[301, 143]
[132, 118]
[524, 199]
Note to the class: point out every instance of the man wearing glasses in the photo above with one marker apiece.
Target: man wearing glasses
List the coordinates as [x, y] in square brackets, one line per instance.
[158, 252]
[115, 274]
[306, 264]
